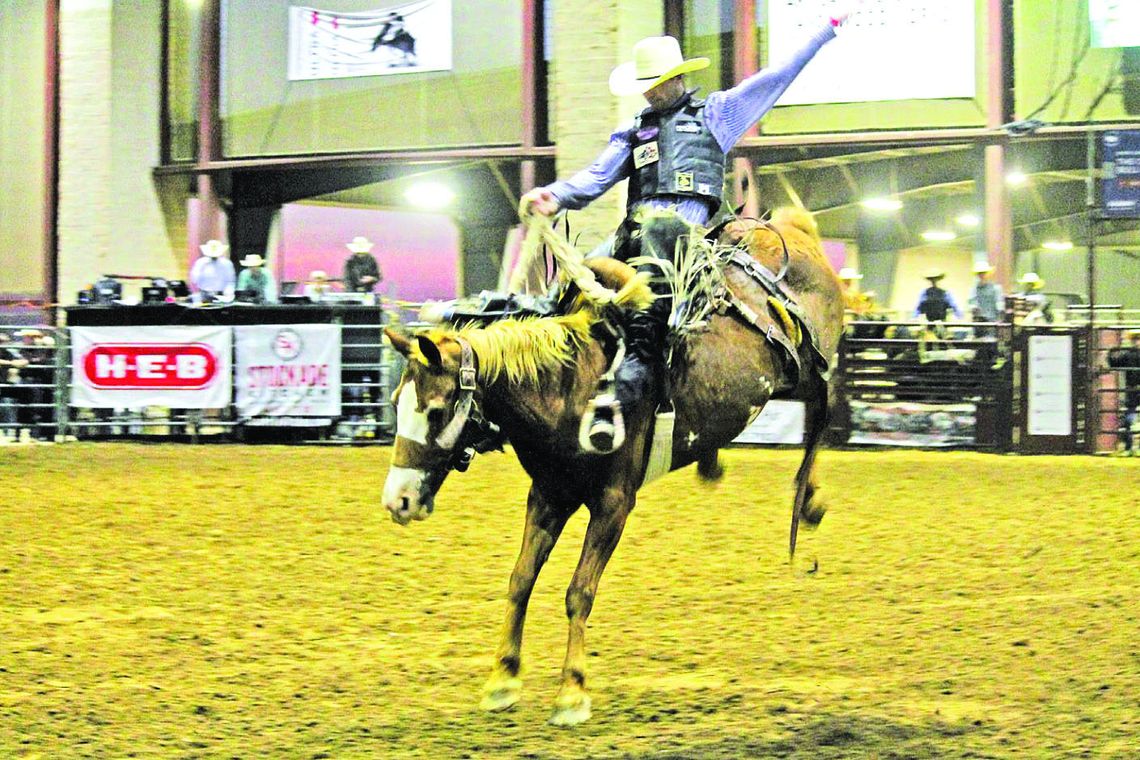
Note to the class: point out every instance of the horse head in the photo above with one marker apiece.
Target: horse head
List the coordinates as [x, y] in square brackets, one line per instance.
[438, 424]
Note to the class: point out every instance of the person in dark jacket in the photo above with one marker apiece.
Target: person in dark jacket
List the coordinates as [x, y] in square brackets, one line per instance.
[361, 272]
[1127, 358]
[935, 302]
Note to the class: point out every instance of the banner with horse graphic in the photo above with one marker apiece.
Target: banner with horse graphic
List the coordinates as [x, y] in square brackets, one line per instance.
[398, 39]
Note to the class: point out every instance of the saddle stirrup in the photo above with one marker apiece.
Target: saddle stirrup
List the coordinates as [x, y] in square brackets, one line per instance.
[592, 427]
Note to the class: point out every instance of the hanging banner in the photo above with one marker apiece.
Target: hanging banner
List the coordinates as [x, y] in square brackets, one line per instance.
[135, 367]
[779, 422]
[1120, 188]
[398, 39]
[889, 50]
[1115, 23]
[287, 371]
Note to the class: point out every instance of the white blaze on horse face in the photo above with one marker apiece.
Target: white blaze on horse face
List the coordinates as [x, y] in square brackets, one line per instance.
[410, 422]
[402, 493]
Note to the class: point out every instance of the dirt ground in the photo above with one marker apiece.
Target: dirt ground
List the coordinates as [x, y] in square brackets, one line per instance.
[255, 602]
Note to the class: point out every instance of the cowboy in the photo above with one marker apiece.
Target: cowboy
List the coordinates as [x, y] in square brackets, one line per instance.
[674, 156]
[212, 277]
[1035, 300]
[317, 285]
[935, 302]
[361, 272]
[853, 300]
[256, 280]
[986, 299]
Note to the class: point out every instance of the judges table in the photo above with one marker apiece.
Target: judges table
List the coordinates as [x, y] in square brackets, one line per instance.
[280, 365]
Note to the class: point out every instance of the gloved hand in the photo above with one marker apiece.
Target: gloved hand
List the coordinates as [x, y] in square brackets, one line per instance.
[844, 11]
[538, 201]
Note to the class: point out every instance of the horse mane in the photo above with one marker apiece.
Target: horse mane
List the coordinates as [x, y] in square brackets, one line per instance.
[528, 349]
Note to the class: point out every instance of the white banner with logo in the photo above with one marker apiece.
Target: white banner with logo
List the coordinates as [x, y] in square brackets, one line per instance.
[397, 39]
[889, 50]
[135, 367]
[287, 371]
[779, 422]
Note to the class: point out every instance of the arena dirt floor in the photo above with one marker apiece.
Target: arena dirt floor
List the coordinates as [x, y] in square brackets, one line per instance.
[255, 602]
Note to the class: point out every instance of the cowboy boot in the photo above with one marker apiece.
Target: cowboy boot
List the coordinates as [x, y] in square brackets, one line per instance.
[603, 425]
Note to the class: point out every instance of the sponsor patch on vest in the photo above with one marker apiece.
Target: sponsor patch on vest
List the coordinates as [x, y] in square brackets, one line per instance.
[683, 181]
[644, 155]
[693, 127]
[647, 133]
[704, 188]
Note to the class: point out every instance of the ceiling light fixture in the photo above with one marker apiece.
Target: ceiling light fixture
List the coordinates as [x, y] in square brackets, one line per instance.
[968, 220]
[938, 236]
[1057, 245]
[882, 204]
[1016, 178]
[429, 195]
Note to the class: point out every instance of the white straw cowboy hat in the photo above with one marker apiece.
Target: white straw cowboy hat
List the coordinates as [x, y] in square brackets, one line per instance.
[848, 273]
[252, 260]
[1032, 279]
[318, 275]
[983, 267]
[359, 244]
[214, 248]
[655, 60]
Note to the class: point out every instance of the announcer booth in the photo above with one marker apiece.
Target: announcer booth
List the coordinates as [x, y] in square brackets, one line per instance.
[313, 370]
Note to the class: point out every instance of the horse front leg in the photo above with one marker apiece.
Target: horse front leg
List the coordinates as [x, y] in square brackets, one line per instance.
[544, 524]
[602, 535]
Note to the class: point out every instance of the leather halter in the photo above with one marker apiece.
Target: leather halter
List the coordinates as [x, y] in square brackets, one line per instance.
[469, 431]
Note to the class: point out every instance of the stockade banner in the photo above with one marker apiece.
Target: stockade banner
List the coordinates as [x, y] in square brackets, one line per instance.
[287, 372]
[398, 39]
[180, 367]
[936, 39]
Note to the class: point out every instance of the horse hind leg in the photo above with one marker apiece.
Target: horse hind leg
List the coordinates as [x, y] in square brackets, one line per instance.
[544, 523]
[808, 505]
[710, 467]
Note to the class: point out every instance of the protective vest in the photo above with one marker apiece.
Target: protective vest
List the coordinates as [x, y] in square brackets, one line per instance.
[674, 153]
[935, 304]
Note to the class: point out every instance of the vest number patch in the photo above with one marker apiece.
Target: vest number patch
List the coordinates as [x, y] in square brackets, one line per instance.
[692, 127]
[644, 155]
[683, 182]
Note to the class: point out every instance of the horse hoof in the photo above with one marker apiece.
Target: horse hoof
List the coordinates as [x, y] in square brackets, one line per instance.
[571, 711]
[813, 513]
[501, 695]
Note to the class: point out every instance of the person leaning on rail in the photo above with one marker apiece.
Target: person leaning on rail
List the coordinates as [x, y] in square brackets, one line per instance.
[674, 156]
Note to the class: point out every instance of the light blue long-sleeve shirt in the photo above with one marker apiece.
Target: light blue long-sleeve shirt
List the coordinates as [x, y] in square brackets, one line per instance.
[728, 115]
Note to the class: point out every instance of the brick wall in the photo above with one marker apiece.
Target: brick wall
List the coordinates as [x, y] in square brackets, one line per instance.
[590, 38]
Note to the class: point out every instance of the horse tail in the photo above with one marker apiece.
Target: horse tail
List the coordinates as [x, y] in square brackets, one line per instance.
[799, 218]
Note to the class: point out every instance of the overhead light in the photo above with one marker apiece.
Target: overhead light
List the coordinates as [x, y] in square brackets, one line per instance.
[882, 204]
[1057, 245]
[968, 220]
[429, 195]
[938, 236]
[1016, 178]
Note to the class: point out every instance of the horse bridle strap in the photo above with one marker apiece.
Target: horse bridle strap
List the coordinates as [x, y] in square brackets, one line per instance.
[450, 434]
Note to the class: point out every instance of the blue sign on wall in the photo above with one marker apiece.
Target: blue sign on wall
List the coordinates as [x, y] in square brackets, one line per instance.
[1120, 160]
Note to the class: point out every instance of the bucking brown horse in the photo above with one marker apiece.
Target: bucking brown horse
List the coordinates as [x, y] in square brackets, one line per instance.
[532, 378]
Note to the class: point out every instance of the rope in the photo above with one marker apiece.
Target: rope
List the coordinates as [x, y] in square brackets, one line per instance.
[572, 267]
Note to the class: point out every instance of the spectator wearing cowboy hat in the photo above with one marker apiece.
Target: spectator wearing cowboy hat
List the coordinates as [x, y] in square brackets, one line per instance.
[935, 302]
[853, 301]
[674, 155]
[317, 285]
[255, 280]
[987, 302]
[361, 272]
[213, 277]
[1032, 287]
